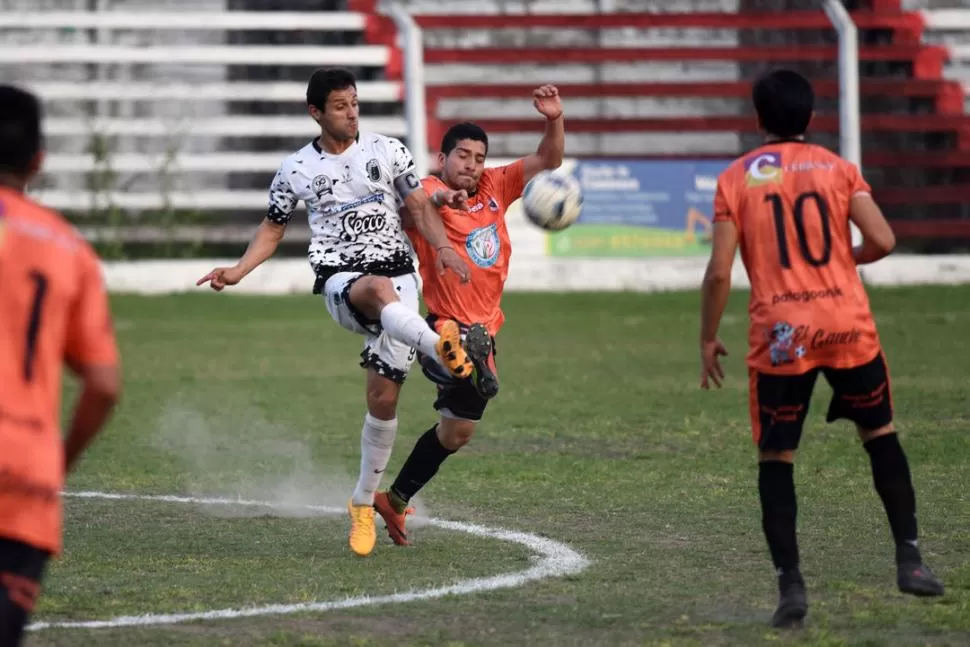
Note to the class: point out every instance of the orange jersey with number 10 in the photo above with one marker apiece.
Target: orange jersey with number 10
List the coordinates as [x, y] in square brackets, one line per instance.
[790, 204]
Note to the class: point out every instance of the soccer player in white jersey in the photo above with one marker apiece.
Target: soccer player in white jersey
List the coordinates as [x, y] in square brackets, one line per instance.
[353, 184]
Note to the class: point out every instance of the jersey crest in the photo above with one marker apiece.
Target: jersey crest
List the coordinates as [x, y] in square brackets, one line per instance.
[483, 245]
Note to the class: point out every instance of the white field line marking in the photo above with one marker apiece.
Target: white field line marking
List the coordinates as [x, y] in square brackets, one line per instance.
[551, 559]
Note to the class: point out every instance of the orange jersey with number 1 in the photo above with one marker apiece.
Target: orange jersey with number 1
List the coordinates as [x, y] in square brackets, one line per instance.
[808, 307]
[54, 309]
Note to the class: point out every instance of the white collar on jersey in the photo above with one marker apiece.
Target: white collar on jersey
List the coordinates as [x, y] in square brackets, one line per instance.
[316, 144]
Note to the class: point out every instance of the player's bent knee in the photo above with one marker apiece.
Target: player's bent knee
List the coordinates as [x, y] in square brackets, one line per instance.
[453, 434]
[870, 434]
[370, 294]
[783, 456]
[382, 406]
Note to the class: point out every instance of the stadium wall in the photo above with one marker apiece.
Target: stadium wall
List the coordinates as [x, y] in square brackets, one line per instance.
[643, 230]
[293, 276]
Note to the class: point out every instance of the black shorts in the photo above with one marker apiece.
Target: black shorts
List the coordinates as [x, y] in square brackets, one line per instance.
[779, 403]
[21, 570]
[456, 398]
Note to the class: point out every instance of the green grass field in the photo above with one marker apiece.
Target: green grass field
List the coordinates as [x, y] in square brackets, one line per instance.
[600, 439]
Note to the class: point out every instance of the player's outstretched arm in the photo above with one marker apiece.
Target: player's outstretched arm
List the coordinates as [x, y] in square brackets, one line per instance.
[552, 146]
[878, 240]
[440, 198]
[716, 289]
[428, 223]
[263, 245]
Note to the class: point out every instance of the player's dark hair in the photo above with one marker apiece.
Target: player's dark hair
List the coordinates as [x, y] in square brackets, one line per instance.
[458, 132]
[784, 101]
[20, 133]
[326, 80]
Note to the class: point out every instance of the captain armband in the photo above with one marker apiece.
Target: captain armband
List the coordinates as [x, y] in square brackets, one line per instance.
[406, 184]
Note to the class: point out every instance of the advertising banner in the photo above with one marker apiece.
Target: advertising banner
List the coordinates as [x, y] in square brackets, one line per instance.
[642, 208]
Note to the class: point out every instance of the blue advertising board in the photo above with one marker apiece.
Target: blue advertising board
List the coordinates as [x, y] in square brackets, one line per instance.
[642, 208]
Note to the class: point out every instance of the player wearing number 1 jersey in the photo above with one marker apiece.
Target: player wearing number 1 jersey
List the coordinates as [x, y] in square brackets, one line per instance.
[53, 311]
[788, 205]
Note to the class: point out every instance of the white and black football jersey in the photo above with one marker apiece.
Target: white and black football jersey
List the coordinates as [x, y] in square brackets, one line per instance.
[352, 202]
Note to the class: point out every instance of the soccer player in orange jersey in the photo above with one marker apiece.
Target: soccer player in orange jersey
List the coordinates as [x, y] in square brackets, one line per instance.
[788, 205]
[472, 201]
[55, 312]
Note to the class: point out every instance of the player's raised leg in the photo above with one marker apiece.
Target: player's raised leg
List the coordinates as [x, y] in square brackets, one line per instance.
[376, 298]
[478, 345]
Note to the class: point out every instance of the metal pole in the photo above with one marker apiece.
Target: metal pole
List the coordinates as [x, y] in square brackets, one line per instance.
[415, 108]
[850, 137]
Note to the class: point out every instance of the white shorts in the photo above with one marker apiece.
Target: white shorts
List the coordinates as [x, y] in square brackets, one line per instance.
[389, 357]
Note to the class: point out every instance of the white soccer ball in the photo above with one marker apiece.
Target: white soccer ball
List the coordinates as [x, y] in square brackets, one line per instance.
[552, 201]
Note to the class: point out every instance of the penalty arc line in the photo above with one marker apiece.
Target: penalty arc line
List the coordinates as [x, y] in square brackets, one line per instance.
[551, 559]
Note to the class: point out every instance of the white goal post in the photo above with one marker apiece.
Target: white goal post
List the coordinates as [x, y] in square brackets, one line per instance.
[850, 134]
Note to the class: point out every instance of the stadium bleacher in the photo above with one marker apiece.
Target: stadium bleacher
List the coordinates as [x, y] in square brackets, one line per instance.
[183, 106]
[212, 97]
[674, 82]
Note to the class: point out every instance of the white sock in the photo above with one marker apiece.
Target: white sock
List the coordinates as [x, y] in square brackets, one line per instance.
[408, 327]
[376, 442]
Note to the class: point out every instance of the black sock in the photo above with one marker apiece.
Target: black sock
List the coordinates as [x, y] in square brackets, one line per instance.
[890, 474]
[423, 463]
[776, 485]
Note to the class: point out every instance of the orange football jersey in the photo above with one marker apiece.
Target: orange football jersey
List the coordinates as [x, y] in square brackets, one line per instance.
[790, 204]
[55, 309]
[479, 234]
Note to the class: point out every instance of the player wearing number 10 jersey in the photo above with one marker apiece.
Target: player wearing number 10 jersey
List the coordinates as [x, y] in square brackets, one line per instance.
[788, 205]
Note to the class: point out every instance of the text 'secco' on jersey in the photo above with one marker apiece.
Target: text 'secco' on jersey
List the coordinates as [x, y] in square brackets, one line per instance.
[352, 202]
